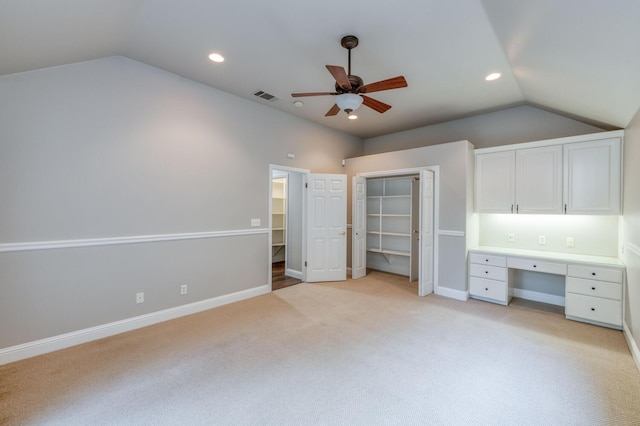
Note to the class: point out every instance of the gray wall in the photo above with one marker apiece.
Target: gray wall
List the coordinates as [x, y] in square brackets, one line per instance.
[115, 148]
[508, 126]
[454, 168]
[630, 226]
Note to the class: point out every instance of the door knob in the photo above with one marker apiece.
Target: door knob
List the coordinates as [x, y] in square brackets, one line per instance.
[343, 233]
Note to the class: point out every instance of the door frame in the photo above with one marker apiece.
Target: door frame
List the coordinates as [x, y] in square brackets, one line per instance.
[436, 208]
[306, 172]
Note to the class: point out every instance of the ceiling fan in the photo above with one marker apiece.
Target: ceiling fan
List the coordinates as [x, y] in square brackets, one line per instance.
[350, 89]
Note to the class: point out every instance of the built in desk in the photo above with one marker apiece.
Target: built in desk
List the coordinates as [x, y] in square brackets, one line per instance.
[593, 285]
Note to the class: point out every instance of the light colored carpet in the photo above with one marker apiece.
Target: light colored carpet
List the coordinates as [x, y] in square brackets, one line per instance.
[365, 352]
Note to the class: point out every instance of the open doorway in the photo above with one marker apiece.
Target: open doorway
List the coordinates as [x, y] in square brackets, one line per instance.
[395, 214]
[286, 227]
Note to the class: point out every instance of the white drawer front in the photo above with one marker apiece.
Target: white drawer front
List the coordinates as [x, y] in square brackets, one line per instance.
[490, 289]
[593, 273]
[594, 288]
[488, 259]
[534, 265]
[490, 272]
[594, 309]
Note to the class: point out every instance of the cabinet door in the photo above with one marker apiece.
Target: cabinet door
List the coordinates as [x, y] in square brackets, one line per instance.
[592, 177]
[495, 182]
[539, 180]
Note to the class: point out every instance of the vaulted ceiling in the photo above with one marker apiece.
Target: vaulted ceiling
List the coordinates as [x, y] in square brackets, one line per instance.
[580, 58]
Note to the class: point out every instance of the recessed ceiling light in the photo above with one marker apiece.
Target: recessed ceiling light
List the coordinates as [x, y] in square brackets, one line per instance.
[493, 76]
[216, 57]
[298, 103]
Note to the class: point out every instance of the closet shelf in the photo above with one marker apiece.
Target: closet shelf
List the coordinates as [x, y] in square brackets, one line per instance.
[394, 252]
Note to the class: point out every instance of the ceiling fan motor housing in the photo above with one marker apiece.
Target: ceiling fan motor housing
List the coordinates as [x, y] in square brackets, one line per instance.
[355, 81]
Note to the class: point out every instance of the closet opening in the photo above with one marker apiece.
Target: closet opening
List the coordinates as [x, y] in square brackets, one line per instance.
[286, 228]
[395, 215]
[393, 225]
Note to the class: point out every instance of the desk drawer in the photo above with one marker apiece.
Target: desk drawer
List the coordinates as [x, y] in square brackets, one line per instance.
[488, 259]
[534, 265]
[593, 273]
[490, 272]
[594, 309]
[489, 289]
[594, 288]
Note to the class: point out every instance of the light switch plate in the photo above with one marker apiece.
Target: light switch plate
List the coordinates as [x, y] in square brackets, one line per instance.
[569, 241]
[542, 240]
[255, 222]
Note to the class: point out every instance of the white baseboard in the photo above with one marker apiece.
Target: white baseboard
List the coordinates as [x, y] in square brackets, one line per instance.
[633, 347]
[50, 344]
[551, 299]
[293, 274]
[452, 294]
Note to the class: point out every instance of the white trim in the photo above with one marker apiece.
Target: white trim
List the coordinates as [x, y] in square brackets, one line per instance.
[50, 344]
[633, 347]
[293, 274]
[92, 242]
[537, 296]
[557, 141]
[446, 233]
[463, 296]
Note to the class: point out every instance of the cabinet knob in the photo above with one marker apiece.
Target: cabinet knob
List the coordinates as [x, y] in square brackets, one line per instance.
[486, 260]
[486, 272]
[593, 288]
[486, 289]
[593, 273]
[535, 266]
[593, 309]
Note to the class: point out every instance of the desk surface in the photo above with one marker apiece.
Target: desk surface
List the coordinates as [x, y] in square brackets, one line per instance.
[549, 255]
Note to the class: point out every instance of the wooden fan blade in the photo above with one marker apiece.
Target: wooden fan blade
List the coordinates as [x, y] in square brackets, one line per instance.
[298, 95]
[391, 83]
[375, 104]
[335, 109]
[340, 75]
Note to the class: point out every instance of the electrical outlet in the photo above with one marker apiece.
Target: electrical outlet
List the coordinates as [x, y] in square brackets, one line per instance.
[183, 289]
[511, 237]
[255, 222]
[569, 241]
[139, 297]
[542, 240]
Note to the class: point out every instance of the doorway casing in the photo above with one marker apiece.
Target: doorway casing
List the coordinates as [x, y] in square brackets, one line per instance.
[436, 210]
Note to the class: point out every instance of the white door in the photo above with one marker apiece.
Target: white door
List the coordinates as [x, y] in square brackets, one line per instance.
[425, 283]
[326, 227]
[359, 228]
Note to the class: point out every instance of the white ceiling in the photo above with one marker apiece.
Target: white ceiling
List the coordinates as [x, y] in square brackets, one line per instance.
[580, 58]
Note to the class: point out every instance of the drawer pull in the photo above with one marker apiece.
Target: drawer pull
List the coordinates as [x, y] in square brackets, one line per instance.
[593, 309]
[593, 273]
[535, 266]
[593, 288]
[486, 260]
[486, 289]
[486, 272]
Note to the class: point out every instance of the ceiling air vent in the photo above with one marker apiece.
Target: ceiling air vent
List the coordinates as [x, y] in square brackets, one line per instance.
[265, 95]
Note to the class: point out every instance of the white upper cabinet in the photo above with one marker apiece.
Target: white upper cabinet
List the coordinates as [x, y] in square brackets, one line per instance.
[575, 175]
[520, 181]
[592, 177]
[539, 180]
[495, 182]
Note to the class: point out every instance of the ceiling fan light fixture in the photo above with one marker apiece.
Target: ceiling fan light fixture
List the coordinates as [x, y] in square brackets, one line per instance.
[352, 116]
[493, 76]
[349, 102]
